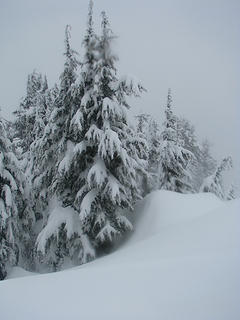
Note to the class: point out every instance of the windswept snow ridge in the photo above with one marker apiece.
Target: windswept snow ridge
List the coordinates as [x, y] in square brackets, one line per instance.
[181, 263]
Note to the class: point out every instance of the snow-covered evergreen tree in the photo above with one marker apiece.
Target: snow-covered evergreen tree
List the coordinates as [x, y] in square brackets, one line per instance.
[154, 152]
[31, 119]
[31, 116]
[70, 166]
[109, 156]
[174, 173]
[61, 238]
[215, 183]
[187, 137]
[62, 242]
[51, 148]
[13, 223]
[149, 130]
[207, 164]
[231, 193]
[87, 158]
[143, 120]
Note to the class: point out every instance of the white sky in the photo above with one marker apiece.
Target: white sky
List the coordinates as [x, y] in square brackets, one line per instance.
[191, 46]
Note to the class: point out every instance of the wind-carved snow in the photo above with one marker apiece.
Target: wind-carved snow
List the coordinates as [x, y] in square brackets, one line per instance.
[181, 263]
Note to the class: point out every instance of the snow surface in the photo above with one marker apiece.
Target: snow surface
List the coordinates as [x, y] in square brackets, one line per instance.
[181, 263]
[18, 272]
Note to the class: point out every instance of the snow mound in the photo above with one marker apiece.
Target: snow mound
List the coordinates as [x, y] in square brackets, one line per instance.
[18, 272]
[162, 209]
[181, 263]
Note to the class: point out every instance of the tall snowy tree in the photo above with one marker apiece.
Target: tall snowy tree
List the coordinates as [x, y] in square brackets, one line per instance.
[149, 130]
[231, 193]
[187, 137]
[50, 149]
[61, 237]
[13, 221]
[174, 173]
[31, 116]
[207, 164]
[109, 156]
[215, 182]
[88, 158]
[143, 120]
[81, 90]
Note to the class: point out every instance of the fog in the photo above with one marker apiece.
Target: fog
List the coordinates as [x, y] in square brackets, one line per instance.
[190, 46]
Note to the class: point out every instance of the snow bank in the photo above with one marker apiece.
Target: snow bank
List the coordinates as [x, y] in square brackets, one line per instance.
[18, 272]
[161, 209]
[182, 263]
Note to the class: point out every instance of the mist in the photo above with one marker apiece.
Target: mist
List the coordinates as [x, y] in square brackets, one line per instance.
[190, 47]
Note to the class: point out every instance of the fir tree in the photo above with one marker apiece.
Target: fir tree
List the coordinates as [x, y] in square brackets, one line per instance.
[174, 173]
[12, 217]
[110, 155]
[54, 178]
[187, 137]
[31, 117]
[50, 149]
[207, 164]
[215, 183]
[153, 152]
[231, 193]
[62, 240]
[149, 131]
[143, 120]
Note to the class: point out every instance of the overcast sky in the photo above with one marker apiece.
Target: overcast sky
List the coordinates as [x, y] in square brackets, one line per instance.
[191, 46]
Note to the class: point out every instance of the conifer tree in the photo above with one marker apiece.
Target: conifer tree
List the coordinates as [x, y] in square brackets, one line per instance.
[31, 117]
[231, 193]
[215, 183]
[110, 155]
[154, 152]
[143, 120]
[50, 149]
[174, 173]
[61, 237]
[149, 131]
[13, 223]
[70, 166]
[207, 164]
[187, 137]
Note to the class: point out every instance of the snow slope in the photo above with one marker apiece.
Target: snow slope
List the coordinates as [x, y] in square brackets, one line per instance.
[181, 263]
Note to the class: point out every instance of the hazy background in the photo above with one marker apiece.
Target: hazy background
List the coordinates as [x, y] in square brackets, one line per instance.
[190, 46]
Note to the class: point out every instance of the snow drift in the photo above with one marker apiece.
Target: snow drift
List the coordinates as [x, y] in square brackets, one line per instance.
[181, 263]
